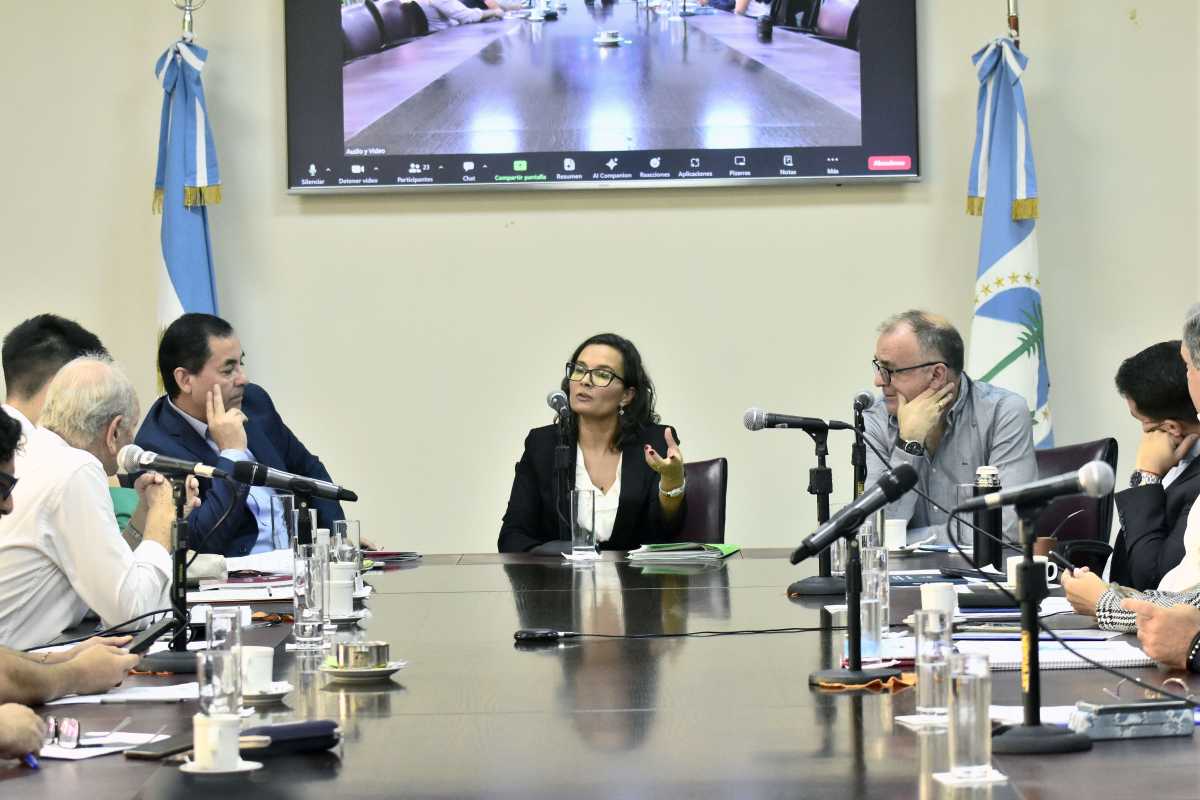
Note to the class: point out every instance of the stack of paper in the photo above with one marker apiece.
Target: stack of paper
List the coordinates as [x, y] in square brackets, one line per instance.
[682, 551]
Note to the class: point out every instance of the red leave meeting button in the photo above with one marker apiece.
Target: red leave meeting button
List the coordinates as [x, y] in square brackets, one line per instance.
[877, 163]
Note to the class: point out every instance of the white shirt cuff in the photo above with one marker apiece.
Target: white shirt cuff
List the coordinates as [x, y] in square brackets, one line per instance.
[236, 455]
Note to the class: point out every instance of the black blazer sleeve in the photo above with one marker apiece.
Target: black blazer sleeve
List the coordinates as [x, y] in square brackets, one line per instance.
[1153, 522]
[298, 460]
[523, 528]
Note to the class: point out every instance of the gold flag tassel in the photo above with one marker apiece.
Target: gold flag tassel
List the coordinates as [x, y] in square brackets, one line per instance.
[1025, 209]
[156, 204]
[975, 206]
[201, 195]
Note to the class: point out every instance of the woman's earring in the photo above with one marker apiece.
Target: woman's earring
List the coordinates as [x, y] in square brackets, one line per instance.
[621, 411]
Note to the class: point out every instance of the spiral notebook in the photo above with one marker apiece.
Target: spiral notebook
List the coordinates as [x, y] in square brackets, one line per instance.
[1005, 655]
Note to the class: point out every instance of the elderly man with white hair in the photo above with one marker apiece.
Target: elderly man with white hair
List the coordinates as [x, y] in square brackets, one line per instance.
[61, 552]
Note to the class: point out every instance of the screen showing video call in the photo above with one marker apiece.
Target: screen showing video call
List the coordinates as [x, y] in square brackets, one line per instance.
[440, 94]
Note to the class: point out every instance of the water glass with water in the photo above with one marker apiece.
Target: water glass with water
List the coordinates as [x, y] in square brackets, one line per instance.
[308, 598]
[219, 675]
[875, 561]
[871, 632]
[933, 650]
[347, 536]
[969, 724]
[583, 523]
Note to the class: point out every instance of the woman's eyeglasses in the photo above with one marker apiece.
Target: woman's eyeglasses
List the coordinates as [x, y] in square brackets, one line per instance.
[7, 482]
[601, 376]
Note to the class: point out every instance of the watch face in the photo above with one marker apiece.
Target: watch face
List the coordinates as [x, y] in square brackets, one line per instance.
[914, 448]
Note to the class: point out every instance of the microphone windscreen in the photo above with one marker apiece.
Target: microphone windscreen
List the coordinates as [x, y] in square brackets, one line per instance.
[755, 419]
[1096, 478]
[863, 401]
[557, 400]
[897, 481]
[249, 472]
[129, 458]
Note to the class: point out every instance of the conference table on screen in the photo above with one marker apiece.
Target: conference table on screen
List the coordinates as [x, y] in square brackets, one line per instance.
[514, 85]
[473, 715]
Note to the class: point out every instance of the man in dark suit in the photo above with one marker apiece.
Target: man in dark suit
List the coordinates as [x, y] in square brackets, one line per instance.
[1166, 482]
[211, 413]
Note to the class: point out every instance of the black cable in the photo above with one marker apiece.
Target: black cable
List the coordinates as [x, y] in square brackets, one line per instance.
[696, 634]
[114, 630]
[1110, 670]
[204, 539]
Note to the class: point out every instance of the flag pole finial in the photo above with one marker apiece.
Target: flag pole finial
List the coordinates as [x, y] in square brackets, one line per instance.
[1014, 24]
[187, 7]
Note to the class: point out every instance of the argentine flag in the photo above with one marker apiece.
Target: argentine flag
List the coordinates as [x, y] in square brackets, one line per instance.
[186, 182]
[1007, 332]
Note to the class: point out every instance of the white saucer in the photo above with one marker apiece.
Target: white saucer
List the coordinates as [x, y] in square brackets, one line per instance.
[353, 616]
[273, 695]
[363, 674]
[608, 42]
[243, 766]
[910, 620]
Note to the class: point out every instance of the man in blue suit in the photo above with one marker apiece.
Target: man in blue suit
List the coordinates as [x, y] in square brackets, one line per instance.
[211, 413]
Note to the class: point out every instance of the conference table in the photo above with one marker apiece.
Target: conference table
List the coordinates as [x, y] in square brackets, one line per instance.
[515, 85]
[475, 715]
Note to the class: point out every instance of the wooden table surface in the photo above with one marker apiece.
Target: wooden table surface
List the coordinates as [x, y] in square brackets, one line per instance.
[475, 716]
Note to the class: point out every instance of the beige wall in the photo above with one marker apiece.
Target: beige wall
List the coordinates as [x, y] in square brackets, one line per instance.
[411, 339]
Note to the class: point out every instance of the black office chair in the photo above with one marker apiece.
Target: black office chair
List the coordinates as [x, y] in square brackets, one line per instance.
[361, 35]
[1083, 539]
[707, 483]
[401, 22]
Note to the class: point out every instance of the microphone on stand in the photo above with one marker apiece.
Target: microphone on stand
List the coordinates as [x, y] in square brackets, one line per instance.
[890, 486]
[1095, 479]
[755, 419]
[132, 458]
[256, 474]
[557, 400]
[858, 452]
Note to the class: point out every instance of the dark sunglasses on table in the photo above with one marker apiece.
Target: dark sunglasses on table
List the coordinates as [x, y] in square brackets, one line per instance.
[7, 482]
[601, 376]
[887, 372]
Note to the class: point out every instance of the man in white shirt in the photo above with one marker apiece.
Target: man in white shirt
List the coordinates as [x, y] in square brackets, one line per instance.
[93, 666]
[60, 551]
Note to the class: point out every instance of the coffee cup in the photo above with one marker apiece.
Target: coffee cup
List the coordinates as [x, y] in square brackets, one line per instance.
[258, 664]
[1014, 563]
[940, 597]
[1042, 545]
[215, 741]
[341, 588]
[895, 533]
[610, 36]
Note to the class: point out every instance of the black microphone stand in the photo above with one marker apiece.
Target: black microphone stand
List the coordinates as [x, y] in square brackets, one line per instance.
[858, 455]
[562, 477]
[853, 674]
[1032, 736]
[820, 483]
[302, 501]
[177, 658]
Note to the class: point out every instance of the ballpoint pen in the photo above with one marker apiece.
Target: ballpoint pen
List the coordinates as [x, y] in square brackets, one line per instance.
[30, 760]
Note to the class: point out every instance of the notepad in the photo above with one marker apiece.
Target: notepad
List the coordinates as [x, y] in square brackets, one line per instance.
[683, 551]
[1052, 655]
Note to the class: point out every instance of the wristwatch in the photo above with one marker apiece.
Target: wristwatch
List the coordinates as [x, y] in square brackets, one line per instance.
[1142, 478]
[913, 448]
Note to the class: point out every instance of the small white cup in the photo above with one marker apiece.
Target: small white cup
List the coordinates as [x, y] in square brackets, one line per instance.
[215, 741]
[940, 597]
[1014, 562]
[895, 533]
[258, 664]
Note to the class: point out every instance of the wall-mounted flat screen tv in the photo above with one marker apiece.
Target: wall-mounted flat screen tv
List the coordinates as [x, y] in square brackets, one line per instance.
[437, 94]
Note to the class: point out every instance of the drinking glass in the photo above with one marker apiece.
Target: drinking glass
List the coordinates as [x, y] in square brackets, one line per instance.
[870, 619]
[308, 598]
[283, 520]
[583, 523]
[219, 675]
[875, 561]
[969, 725]
[223, 628]
[933, 661]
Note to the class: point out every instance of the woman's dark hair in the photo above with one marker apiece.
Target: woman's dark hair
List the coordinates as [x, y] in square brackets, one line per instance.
[639, 412]
[10, 437]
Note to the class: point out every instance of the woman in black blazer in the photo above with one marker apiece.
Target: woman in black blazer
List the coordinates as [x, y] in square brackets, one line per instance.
[613, 425]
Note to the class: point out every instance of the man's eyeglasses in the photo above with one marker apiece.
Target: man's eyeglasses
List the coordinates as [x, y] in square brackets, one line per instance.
[886, 373]
[601, 376]
[7, 482]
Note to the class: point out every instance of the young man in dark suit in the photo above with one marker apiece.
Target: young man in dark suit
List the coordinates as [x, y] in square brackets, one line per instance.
[1166, 482]
[212, 413]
